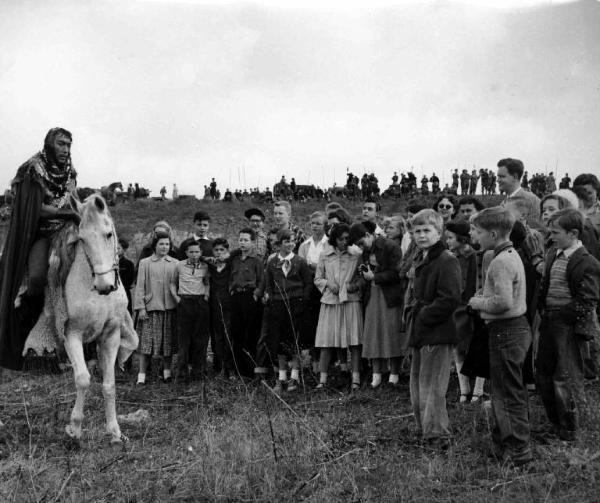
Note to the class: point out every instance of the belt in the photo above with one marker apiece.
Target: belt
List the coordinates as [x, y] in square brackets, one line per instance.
[241, 289]
[191, 297]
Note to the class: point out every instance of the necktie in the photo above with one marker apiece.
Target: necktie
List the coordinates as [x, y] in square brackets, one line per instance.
[286, 267]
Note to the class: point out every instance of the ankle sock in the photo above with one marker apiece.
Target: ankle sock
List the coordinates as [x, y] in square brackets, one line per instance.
[283, 375]
[166, 373]
[478, 388]
[323, 378]
[295, 375]
[356, 377]
[376, 379]
[141, 378]
[394, 378]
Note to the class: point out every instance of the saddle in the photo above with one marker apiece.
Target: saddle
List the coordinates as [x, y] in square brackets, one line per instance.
[48, 334]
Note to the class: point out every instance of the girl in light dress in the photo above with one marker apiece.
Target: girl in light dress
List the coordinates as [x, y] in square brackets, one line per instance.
[340, 318]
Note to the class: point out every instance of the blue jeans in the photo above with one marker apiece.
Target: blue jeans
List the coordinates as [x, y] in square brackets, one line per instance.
[429, 376]
[509, 341]
[559, 366]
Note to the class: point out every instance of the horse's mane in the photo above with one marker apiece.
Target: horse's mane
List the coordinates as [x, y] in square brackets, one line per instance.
[62, 254]
[62, 248]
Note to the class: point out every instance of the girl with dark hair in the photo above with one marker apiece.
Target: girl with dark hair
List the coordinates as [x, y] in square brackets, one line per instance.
[156, 305]
[383, 340]
[340, 318]
[447, 207]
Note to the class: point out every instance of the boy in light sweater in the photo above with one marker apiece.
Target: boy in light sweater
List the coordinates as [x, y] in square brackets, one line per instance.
[501, 304]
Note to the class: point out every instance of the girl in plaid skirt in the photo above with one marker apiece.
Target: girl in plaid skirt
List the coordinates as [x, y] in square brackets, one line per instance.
[155, 306]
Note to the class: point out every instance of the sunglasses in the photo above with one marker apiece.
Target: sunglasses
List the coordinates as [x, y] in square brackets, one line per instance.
[445, 206]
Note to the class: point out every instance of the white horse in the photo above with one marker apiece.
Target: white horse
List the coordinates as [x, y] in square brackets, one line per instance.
[97, 311]
[94, 307]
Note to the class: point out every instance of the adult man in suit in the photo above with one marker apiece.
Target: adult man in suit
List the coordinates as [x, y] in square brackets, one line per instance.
[510, 172]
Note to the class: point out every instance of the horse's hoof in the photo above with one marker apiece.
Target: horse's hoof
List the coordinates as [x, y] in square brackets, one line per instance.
[122, 439]
[71, 432]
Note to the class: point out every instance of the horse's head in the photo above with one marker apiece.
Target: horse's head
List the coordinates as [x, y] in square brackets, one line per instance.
[99, 241]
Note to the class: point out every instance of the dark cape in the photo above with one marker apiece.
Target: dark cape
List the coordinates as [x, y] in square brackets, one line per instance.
[16, 323]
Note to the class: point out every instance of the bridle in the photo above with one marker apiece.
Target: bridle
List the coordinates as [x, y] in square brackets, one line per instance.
[114, 268]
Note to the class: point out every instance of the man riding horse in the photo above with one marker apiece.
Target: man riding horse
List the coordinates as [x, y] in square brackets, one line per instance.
[41, 206]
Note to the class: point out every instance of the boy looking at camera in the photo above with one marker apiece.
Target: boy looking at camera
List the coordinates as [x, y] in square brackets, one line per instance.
[435, 294]
[189, 287]
[245, 280]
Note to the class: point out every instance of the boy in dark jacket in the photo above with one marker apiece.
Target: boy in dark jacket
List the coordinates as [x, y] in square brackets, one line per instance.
[569, 297]
[289, 282]
[435, 294]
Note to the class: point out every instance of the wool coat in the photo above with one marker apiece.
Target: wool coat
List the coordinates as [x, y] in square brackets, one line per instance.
[436, 294]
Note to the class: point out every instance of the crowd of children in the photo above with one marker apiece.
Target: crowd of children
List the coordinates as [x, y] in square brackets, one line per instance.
[509, 293]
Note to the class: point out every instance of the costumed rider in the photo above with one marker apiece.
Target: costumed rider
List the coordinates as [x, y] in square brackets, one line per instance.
[41, 207]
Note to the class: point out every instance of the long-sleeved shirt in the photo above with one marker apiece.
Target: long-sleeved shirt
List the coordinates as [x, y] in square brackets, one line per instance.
[504, 289]
[246, 273]
[154, 279]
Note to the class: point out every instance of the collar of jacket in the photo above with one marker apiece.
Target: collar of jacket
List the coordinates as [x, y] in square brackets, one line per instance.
[332, 250]
[501, 247]
[575, 257]
[434, 252]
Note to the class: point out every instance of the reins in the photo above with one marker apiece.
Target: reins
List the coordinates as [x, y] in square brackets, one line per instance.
[114, 268]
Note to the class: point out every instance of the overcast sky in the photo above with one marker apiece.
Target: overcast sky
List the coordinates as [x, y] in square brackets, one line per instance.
[178, 92]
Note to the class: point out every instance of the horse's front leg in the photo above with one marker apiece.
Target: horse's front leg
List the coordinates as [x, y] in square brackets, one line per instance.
[74, 348]
[109, 347]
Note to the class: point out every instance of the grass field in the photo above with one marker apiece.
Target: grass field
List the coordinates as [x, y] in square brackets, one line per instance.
[218, 441]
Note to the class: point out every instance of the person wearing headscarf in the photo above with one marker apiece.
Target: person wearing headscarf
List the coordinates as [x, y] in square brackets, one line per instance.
[41, 206]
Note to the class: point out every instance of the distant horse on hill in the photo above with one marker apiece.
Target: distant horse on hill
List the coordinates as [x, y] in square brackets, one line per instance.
[86, 302]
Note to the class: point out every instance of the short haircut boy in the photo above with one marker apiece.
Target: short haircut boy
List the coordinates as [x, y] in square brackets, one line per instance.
[284, 204]
[221, 242]
[186, 243]
[569, 220]
[201, 216]
[428, 217]
[497, 218]
[249, 231]
[283, 235]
